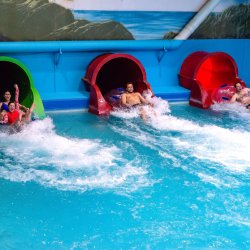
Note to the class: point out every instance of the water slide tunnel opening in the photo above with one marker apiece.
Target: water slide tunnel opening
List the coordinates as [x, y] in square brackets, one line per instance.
[108, 73]
[208, 76]
[12, 71]
[11, 74]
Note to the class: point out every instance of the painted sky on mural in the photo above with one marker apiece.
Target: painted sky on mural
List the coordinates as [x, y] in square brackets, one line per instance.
[143, 5]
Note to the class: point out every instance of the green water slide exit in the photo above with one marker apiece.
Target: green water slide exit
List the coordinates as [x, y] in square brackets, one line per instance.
[13, 71]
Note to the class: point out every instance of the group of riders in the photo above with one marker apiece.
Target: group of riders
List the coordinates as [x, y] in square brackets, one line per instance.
[12, 112]
[135, 99]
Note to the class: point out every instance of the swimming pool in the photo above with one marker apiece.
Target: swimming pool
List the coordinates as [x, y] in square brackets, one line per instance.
[79, 181]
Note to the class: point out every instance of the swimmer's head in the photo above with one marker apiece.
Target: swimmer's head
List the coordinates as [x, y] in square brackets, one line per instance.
[238, 86]
[7, 95]
[11, 106]
[129, 87]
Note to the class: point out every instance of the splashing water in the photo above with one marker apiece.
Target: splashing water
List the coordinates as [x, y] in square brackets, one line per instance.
[38, 154]
[175, 180]
[236, 112]
[223, 147]
[160, 107]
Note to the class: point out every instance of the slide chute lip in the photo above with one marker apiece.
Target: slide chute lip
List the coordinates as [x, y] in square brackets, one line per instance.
[31, 95]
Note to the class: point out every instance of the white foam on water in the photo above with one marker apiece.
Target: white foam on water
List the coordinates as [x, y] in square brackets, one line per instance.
[217, 180]
[218, 146]
[235, 110]
[38, 154]
[137, 133]
[236, 207]
[160, 107]
[233, 107]
[229, 147]
[126, 114]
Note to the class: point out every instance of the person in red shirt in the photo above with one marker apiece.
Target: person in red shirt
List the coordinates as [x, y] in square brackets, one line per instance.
[15, 116]
[7, 100]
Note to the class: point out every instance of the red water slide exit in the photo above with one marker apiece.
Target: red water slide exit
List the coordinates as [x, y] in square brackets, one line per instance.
[210, 77]
[109, 72]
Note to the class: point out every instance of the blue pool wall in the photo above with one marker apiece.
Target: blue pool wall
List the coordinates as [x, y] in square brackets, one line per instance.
[58, 67]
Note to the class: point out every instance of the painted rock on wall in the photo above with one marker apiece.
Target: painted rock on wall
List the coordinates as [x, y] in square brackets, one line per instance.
[42, 21]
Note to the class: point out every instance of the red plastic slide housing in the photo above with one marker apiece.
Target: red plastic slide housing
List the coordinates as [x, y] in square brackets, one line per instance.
[210, 77]
[106, 78]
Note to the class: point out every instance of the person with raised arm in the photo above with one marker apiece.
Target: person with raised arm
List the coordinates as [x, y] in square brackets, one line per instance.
[13, 114]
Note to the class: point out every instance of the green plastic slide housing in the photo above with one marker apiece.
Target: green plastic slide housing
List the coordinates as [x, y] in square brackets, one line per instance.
[12, 71]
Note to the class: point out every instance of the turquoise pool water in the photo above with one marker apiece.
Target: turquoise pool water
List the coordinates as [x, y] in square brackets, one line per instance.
[78, 181]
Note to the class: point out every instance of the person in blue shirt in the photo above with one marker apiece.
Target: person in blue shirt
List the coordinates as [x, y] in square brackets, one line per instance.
[4, 106]
[7, 99]
[5, 103]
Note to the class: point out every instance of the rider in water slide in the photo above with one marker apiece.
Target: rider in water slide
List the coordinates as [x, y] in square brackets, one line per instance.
[134, 99]
[241, 95]
[14, 115]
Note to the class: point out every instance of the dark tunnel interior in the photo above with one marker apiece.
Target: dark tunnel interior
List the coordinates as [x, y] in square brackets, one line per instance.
[10, 74]
[116, 73]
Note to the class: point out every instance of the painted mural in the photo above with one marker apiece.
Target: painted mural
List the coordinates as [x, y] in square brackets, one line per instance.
[47, 20]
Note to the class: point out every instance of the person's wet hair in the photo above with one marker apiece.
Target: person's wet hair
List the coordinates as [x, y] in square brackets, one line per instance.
[128, 84]
[236, 84]
[10, 103]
